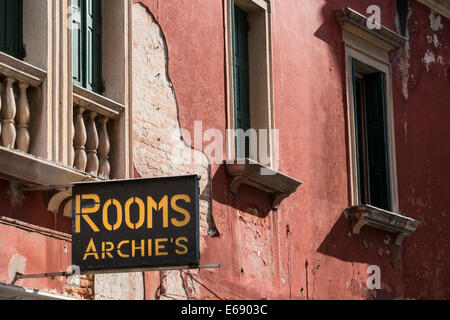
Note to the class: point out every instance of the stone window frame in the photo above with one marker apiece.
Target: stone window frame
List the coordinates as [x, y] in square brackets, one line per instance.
[372, 47]
[369, 48]
[263, 176]
[264, 118]
[117, 34]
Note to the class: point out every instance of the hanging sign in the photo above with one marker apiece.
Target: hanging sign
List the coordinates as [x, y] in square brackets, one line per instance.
[134, 224]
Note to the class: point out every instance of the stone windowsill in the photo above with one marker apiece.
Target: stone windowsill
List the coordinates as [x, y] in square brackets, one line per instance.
[250, 172]
[367, 215]
[98, 103]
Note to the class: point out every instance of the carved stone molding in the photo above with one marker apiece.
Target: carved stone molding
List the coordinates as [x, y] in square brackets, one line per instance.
[366, 215]
[357, 23]
[247, 171]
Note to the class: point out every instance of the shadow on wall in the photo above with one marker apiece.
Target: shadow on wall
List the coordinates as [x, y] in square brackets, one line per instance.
[248, 199]
[372, 246]
[368, 247]
[30, 207]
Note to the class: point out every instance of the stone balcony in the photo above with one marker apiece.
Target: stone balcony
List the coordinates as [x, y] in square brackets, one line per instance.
[26, 133]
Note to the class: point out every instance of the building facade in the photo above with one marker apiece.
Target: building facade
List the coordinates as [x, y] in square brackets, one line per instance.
[337, 109]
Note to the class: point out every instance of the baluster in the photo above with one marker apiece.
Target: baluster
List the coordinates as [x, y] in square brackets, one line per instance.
[92, 145]
[104, 149]
[79, 140]
[8, 114]
[23, 119]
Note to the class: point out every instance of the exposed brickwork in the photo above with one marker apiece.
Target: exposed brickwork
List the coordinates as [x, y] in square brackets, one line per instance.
[85, 289]
[155, 122]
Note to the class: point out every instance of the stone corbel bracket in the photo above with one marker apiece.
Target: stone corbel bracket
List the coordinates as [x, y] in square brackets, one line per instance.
[366, 215]
[250, 172]
[61, 198]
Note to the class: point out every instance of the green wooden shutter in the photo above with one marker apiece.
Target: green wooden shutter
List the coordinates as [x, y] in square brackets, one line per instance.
[94, 45]
[241, 75]
[358, 134]
[377, 141]
[87, 45]
[11, 27]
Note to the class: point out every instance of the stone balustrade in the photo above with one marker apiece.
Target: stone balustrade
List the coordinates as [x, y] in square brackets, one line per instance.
[92, 139]
[29, 151]
[16, 77]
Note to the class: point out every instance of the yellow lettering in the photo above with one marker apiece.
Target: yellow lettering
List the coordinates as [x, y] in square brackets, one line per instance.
[77, 213]
[134, 248]
[185, 249]
[82, 212]
[106, 251]
[159, 247]
[141, 205]
[91, 247]
[118, 223]
[96, 200]
[187, 216]
[122, 255]
[77, 204]
[151, 206]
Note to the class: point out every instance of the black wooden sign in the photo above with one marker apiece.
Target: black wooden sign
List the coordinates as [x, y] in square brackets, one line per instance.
[134, 224]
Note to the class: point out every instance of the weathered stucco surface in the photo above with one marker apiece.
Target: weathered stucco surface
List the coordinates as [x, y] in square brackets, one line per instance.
[318, 257]
[156, 129]
[305, 250]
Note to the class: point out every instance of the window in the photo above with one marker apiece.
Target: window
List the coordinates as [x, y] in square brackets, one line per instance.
[370, 107]
[371, 126]
[87, 44]
[250, 107]
[11, 28]
[371, 136]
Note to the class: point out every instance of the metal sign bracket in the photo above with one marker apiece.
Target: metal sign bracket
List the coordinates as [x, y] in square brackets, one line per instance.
[20, 276]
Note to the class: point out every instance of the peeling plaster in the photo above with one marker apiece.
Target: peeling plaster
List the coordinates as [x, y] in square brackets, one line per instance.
[404, 56]
[428, 59]
[433, 40]
[18, 264]
[435, 22]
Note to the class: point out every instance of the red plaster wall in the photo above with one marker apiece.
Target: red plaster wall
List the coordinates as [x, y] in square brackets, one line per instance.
[423, 153]
[30, 207]
[318, 258]
[40, 253]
